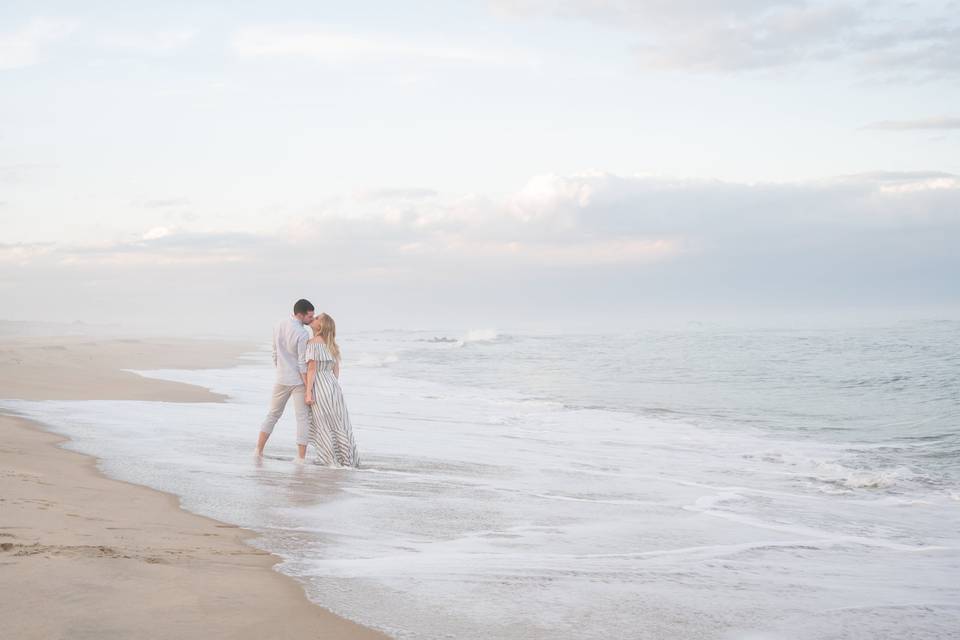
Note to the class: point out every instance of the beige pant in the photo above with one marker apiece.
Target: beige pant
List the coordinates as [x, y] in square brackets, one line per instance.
[282, 393]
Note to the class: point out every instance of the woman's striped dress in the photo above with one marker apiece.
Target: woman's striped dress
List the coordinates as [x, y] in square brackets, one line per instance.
[330, 430]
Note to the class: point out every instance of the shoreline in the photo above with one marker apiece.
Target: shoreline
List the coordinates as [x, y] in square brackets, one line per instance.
[104, 558]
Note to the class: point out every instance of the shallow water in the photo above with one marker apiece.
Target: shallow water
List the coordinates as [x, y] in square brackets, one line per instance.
[704, 483]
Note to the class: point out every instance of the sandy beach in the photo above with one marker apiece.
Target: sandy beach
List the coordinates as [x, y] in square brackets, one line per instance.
[85, 556]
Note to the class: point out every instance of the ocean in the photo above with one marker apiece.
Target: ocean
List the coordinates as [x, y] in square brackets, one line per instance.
[702, 482]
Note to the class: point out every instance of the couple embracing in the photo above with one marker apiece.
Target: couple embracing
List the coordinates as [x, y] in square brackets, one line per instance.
[308, 371]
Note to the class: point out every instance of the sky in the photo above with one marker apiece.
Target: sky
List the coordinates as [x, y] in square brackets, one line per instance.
[195, 167]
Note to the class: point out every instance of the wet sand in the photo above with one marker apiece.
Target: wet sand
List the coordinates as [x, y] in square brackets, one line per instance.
[85, 556]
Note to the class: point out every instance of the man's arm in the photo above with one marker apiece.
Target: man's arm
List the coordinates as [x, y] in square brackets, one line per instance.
[273, 344]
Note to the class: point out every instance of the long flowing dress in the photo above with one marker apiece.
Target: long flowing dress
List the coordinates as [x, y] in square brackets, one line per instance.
[330, 429]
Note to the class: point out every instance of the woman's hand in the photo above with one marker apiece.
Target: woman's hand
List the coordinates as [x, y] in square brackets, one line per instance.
[308, 387]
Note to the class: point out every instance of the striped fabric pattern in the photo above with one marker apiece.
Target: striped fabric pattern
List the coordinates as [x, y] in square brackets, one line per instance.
[330, 429]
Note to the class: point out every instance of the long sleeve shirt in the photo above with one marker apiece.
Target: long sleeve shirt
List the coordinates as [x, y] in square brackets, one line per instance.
[290, 351]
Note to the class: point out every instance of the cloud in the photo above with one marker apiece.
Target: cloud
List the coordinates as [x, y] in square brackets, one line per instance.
[915, 52]
[576, 220]
[164, 203]
[157, 246]
[154, 43]
[740, 41]
[156, 233]
[942, 123]
[593, 241]
[396, 194]
[897, 176]
[24, 253]
[880, 38]
[23, 47]
[341, 48]
[15, 173]
[582, 254]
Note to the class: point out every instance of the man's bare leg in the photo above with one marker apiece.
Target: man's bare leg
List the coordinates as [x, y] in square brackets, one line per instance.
[262, 442]
[302, 451]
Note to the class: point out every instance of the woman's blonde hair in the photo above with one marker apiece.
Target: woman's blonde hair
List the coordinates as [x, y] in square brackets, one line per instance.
[327, 329]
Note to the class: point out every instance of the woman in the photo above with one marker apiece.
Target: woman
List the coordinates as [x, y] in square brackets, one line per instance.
[330, 432]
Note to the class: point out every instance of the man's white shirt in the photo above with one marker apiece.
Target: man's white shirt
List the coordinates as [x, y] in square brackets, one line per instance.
[290, 351]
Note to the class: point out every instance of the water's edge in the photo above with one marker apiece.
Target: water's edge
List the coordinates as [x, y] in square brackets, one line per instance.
[250, 537]
[519, 503]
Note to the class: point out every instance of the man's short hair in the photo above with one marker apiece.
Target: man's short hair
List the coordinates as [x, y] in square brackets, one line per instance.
[302, 306]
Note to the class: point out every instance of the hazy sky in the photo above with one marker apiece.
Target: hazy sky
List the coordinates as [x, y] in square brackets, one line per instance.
[503, 163]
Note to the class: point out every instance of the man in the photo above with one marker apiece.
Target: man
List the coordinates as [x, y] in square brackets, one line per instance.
[289, 357]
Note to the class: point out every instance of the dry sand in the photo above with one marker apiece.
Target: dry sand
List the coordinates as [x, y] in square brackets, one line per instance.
[84, 556]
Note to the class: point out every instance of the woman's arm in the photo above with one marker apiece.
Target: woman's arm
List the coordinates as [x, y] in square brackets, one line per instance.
[302, 354]
[336, 369]
[311, 374]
